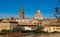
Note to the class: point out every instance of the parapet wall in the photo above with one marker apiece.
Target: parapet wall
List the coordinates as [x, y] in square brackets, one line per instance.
[42, 35]
[34, 35]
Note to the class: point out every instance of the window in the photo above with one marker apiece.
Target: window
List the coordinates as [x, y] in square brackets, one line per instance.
[57, 28]
[54, 28]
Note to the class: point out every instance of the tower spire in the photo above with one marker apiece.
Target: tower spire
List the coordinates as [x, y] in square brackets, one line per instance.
[38, 8]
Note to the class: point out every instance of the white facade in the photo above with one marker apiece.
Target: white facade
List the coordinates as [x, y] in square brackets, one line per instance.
[39, 15]
[29, 28]
[52, 29]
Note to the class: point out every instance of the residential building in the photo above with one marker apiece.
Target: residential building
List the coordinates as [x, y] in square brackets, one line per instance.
[52, 27]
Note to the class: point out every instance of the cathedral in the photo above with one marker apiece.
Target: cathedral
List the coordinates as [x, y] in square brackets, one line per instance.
[24, 23]
[29, 23]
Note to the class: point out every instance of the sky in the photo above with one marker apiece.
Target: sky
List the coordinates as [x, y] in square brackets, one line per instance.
[10, 8]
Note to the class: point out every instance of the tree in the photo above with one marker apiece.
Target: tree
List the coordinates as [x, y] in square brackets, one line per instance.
[57, 14]
[39, 31]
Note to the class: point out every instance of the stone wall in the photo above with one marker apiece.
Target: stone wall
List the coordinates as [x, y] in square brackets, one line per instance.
[32, 35]
[42, 35]
[11, 34]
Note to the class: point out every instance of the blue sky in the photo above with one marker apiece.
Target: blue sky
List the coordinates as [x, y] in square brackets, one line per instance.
[12, 8]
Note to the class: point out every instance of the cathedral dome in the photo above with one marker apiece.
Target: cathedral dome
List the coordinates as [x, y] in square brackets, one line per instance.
[38, 15]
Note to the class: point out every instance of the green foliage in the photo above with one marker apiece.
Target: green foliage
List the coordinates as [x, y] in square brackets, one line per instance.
[15, 29]
[26, 31]
[39, 31]
[6, 30]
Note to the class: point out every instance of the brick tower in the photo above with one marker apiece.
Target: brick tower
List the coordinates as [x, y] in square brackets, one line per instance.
[22, 13]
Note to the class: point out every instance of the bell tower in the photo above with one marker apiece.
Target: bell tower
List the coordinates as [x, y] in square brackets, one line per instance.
[22, 13]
